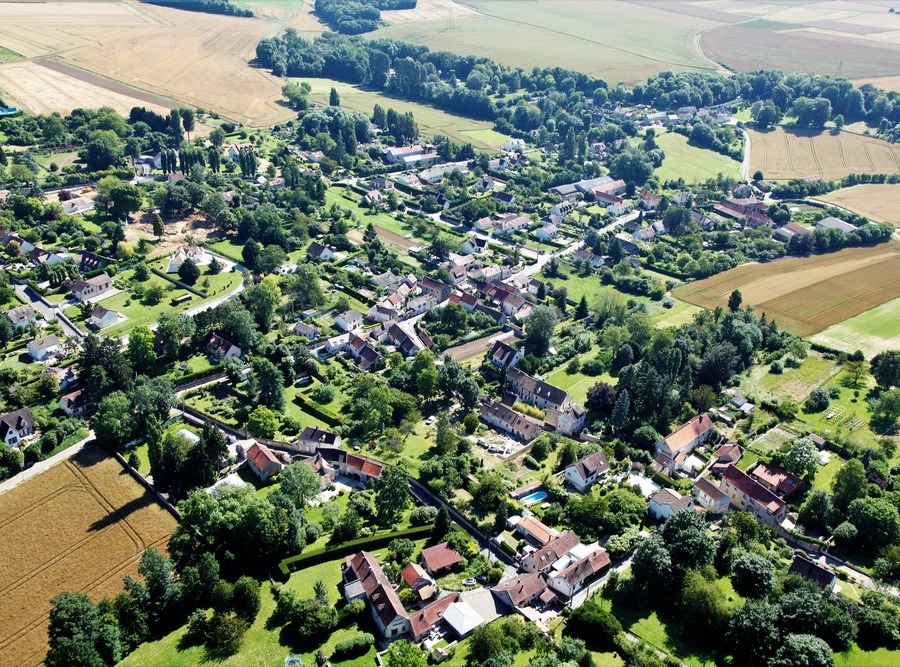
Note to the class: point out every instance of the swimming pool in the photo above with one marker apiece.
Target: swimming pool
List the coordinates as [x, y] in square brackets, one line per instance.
[533, 498]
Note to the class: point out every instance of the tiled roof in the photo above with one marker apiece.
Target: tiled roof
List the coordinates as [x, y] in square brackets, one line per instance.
[554, 550]
[812, 571]
[593, 464]
[261, 456]
[745, 484]
[675, 501]
[522, 588]
[777, 478]
[421, 621]
[364, 465]
[690, 431]
[537, 530]
[440, 556]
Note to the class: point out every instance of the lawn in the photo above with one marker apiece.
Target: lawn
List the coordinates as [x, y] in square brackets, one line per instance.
[694, 165]
[856, 657]
[431, 121]
[588, 286]
[229, 248]
[794, 383]
[872, 332]
[578, 384]
[681, 313]
[825, 474]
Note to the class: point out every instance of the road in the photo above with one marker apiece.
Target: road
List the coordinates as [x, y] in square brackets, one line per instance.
[48, 313]
[473, 348]
[46, 464]
[745, 164]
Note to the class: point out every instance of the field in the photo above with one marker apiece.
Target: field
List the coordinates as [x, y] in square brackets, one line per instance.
[884, 82]
[597, 38]
[793, 384]
[806, 295]
[879, 203]
[872, 332]
[785, 153]
[45, 87]
[430, 120]
[80, 526]
[694, 165]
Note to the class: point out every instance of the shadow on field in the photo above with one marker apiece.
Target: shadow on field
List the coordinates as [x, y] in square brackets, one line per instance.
[121, 513]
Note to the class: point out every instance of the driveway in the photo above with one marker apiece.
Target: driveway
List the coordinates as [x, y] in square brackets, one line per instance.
[49, 313]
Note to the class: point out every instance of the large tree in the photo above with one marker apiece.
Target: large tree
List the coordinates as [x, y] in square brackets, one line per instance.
[885, 369]
[753, 575]
[79, 635]
[267, 383]
[300, 483]
[391, 494]
[752, 633]
[849, 484]
[539, 327]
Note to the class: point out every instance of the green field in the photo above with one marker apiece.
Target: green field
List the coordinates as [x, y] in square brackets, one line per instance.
[431, 121]
[578, 384]
[681, 313]
[588, 286]
[595, 38]
[872, 332]
[794, 383]
[694, 165]
[7, 56]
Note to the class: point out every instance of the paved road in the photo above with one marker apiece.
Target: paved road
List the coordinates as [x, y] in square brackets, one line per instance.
[48, 313]
[46, 464]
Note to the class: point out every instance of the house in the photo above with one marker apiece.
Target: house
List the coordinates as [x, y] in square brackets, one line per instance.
[575, 577]
[439, 289]
[220, 349]
[307, 331]
[595, 261]
[739, 402]
[748, 495]
[421, 622]
[16, 427]
[74, 404]
[194, 253]
[474, 245]
[349, 320]
[364, 579]
[21, 316]
[88, 261]
[535, 531]
[775, 479]
[666, 502]
[395, 155]
[361, 468]
[708, 496]
[418, 580]
[683, 198]
[693, 434]
[604, 185]
[786, 232]
[462, 618]
[818, 573]
[43, 348]
[725, 456]
[741, 190]
[544, 558]
[313, 438]
[650, 201]
[262, 461]
[835, 223]
[318, 252]
[514, 144]
[77, 205]
[102, 317]
[538, 393]
[563, 208]
[614, 204]
[629, 247]
[503, 357]
[92, 287]
[373, 198]
[546, 232]
[25, 247]
[587, 471]
[234, 150]
[440, 557]
[568, 421]
[65, 376]
[485, 184]
[509, 421]
[522, 590]
[508, 223]
[421, 304]
[483, 224]
[337, 344]
[503, 197]
[382, 183]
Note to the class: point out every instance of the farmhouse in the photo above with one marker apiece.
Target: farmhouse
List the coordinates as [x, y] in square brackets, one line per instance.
[43, 348]
[21, 316]
[543, 559]
[535, 532]
[16, 427]
[775, 479]
[313, 437]
[92, 287]
[693, 434]
[262, 461]
[522, 590]
[708, 496]
[418, 580]
[587, 471]
[579, 574]
[395, 155]
[789, 231]
[364, 578]
[568, 421]
[361, 468]
[750, 496]
[421, 622]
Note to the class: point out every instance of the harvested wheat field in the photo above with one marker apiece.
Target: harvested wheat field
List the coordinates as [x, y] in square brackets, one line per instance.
[80, 526]
[807, 294]
[878, 202]
[785, 153]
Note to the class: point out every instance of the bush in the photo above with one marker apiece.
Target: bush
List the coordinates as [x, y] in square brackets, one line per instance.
[532, 463]
[424, 515]
[777, 368]
[353, 646]
[596, 626]
[818, 400]
[845, 534]
[245, 598]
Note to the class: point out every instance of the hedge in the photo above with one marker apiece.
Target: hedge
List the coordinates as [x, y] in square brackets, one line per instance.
[508, 548]
[180, 284]
[316, 410]
[323, 553]
[349, 291]
[356, 645]
[663, 480]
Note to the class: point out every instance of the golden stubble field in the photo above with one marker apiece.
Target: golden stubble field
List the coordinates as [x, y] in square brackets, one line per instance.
[807, 294]
[785, 153]
[80, 526]
[195, 58]
[878, 202]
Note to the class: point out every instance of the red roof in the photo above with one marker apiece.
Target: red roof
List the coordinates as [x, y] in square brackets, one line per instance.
[422, 621]
[261, 456]
[691, 431]
[412, 574]
[365, 466]
[745, 484]
[781, 480]
[440, 556]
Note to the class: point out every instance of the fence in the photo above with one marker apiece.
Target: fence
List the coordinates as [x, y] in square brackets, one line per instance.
[147, 485]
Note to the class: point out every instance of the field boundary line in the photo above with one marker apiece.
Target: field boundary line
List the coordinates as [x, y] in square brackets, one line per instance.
[110, 509]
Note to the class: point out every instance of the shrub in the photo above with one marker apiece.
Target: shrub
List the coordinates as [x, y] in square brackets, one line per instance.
[353, 646]
[845, 534]
[532, 463]
[245, 598]
[818, 400]
[596, 626]
[777, 368]
[424, 515]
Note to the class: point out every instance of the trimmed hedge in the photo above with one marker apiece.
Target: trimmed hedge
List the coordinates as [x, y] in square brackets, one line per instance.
[314, 409]
[180, 284]
[663, 480]
[324, 553]
[354, 646]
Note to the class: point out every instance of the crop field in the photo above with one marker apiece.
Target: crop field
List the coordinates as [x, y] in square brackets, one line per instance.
[44, 87]
[431, 121]
[808, 294]
[694, 165]
[872, 332]
[884, 82]
[597, 37]
[80, 526]
[785, 153]
[878, 202]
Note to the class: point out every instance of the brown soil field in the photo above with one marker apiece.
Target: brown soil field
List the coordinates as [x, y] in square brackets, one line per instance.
[807, 294]
[884, 82]
[878, 202]
[178, 231]
[80, 526]
[47, 86]
[785, 153]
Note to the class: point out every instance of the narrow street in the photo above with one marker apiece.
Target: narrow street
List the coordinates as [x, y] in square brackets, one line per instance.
[49, 313]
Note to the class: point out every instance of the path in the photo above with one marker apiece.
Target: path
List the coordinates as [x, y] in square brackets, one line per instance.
[49, 313]
[745, 164]
[46, 464]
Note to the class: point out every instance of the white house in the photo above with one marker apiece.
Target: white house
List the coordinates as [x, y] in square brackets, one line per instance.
[16, 427]
[708, 496]
[21, 316]
[546, 232]
[665, 502]
[587, 471]
[220, 349]
[474, 245]
[92, 287]
[349, 320]
[196, 254]
[74, 404]
[696, 432]
[103, 317]
[43, 348]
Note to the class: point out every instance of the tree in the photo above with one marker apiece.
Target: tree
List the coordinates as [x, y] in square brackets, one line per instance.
[334, 99]
[79, 635]
[250, 253]
[262, 300]
[801, 458]
[704, 605]
[855, 369]
[689, 543]
[159, 229]
[816, 509]
[404, 654]
[803, 651]
[652, 565]
[849, 484]
[752, 633]
[267, 384]
[391, 494]
[300, 483]
[441, 525]
[103, 150]
[886, 410]
[262, 422]
[598, 627]
[140, 351]
[735, 301]
[487, 641]
[601, 398]
[620, 411]
[539, 328]
[189, 272]
[446, 438]
[187, 120]
[113, 422]
[270, 258]
[118, 198]
[245, 598]
[885, 368]
[226, 634]
[582, 310]
[753, 575]
[877, 519]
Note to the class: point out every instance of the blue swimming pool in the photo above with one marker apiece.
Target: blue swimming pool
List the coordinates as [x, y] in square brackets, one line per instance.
[535, 497]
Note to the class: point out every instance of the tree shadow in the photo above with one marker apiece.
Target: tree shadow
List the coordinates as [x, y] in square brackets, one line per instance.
[121, 513]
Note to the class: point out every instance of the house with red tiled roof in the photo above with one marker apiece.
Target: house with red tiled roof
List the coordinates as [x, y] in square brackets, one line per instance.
[726, 455]
[687, 438]
[568, 581]
[440, 557]
[421, 622]
[262, 461]
[748, 495]
[361, 468]
[418, 580]
[364, 578]
[542, 559]
[775, 479]
[522, 590]
[535, 532]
